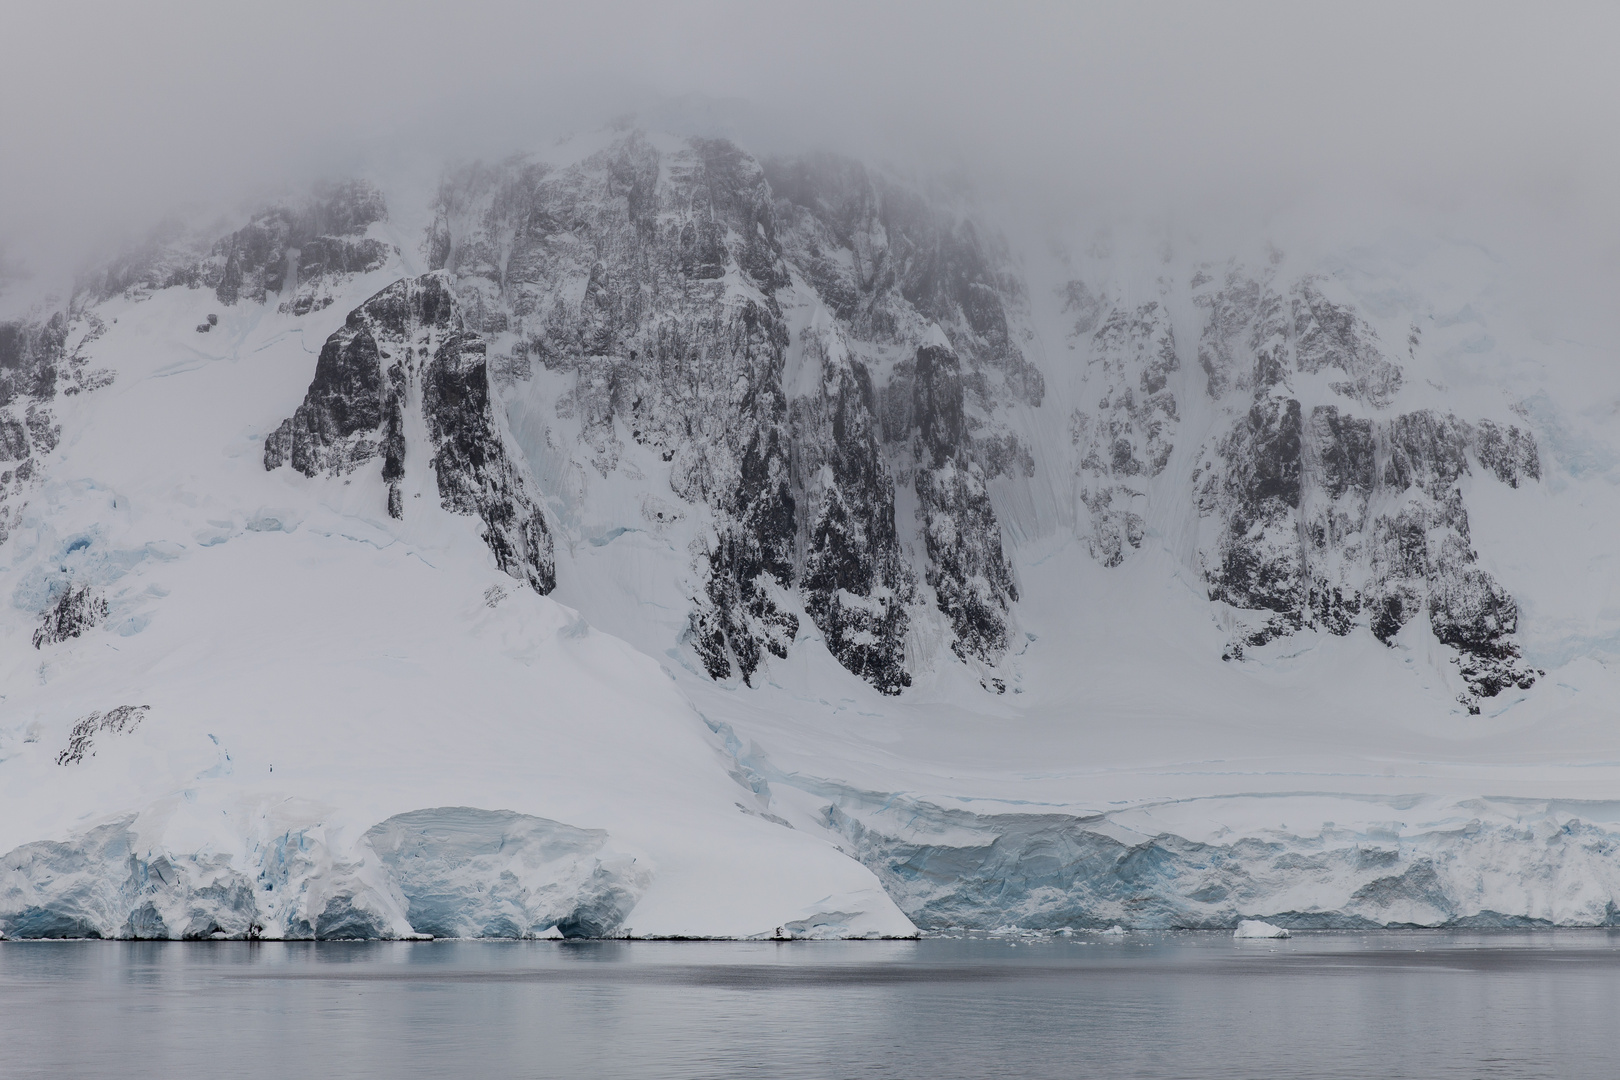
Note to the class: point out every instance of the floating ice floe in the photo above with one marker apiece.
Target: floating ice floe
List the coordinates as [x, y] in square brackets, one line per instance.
[1254, 928]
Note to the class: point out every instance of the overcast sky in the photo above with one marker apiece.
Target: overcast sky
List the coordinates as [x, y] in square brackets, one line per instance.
[111, 113]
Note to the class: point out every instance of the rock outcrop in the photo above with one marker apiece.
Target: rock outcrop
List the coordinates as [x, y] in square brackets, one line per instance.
[1127, 439]
[1332, 518]
[825, 369]
[1321, 505]
[706, 307]
[893, 264]
[74, 610]
[39, 359]
[856, 584]
[931, 307]
[652, 279]
[969, 573]
[302, 250]
[119, 720]
[407, 351]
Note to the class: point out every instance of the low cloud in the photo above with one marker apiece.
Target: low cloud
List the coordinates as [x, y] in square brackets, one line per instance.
[1204, 118]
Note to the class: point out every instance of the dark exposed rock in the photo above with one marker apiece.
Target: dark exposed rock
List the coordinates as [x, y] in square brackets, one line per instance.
[905, 256]
[1253, 489]
[475, 472]
[644, 242]
[1340, 520]
[855, 584]
[1507, 452]
[890, 262]
[1423, 553]
[754, 552]
[1129, 437]
[408, 343]
[1342, 450]
[30, 355]
[117, 721]
[338, 426]
[1345, 451]
[937, 406]
[862, 615]
[301, 249]
[1230, 311]
[1302, 331]
[1249, 482]
[13, 439]
[36, 363]
[1332, 335]
[74, 611]
[1427, 451]
[308, 243]
[655, 277]
[969, 572]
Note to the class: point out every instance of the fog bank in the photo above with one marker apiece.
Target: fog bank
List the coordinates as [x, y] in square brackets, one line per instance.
[1202, 119]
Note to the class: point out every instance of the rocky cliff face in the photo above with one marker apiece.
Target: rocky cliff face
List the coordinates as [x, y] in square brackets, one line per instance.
[39, 359]
[1322, 505]
[856, 583]
[402, 355]
[653, 281]
[791, 340]
[303, 251]
[1126, 439]
[967, 569]
[937, 317]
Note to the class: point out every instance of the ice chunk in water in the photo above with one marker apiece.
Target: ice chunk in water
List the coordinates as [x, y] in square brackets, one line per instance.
[1254, 928]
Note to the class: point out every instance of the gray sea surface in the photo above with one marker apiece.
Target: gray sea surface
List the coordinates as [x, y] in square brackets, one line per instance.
[1183, 1005]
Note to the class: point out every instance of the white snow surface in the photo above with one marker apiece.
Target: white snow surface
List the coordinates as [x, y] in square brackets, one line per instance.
[329, 688]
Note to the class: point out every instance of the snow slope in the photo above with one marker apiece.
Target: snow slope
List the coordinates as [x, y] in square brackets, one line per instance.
[314, 669]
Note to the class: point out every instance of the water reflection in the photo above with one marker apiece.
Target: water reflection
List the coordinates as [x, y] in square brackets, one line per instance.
[1175, 1005]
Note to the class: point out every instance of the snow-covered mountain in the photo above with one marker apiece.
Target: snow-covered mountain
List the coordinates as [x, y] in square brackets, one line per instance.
[645, 538]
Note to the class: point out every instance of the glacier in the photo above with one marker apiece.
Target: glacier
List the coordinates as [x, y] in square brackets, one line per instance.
[642, 538]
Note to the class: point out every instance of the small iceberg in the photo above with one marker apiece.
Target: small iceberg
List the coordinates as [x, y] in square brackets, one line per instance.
[1115, 931]
[1254, 928]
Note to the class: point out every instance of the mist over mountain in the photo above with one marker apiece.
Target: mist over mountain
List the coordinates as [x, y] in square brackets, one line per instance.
[1211, 119]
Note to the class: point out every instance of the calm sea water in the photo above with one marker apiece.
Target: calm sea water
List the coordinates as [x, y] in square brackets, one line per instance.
[1414, 1004]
